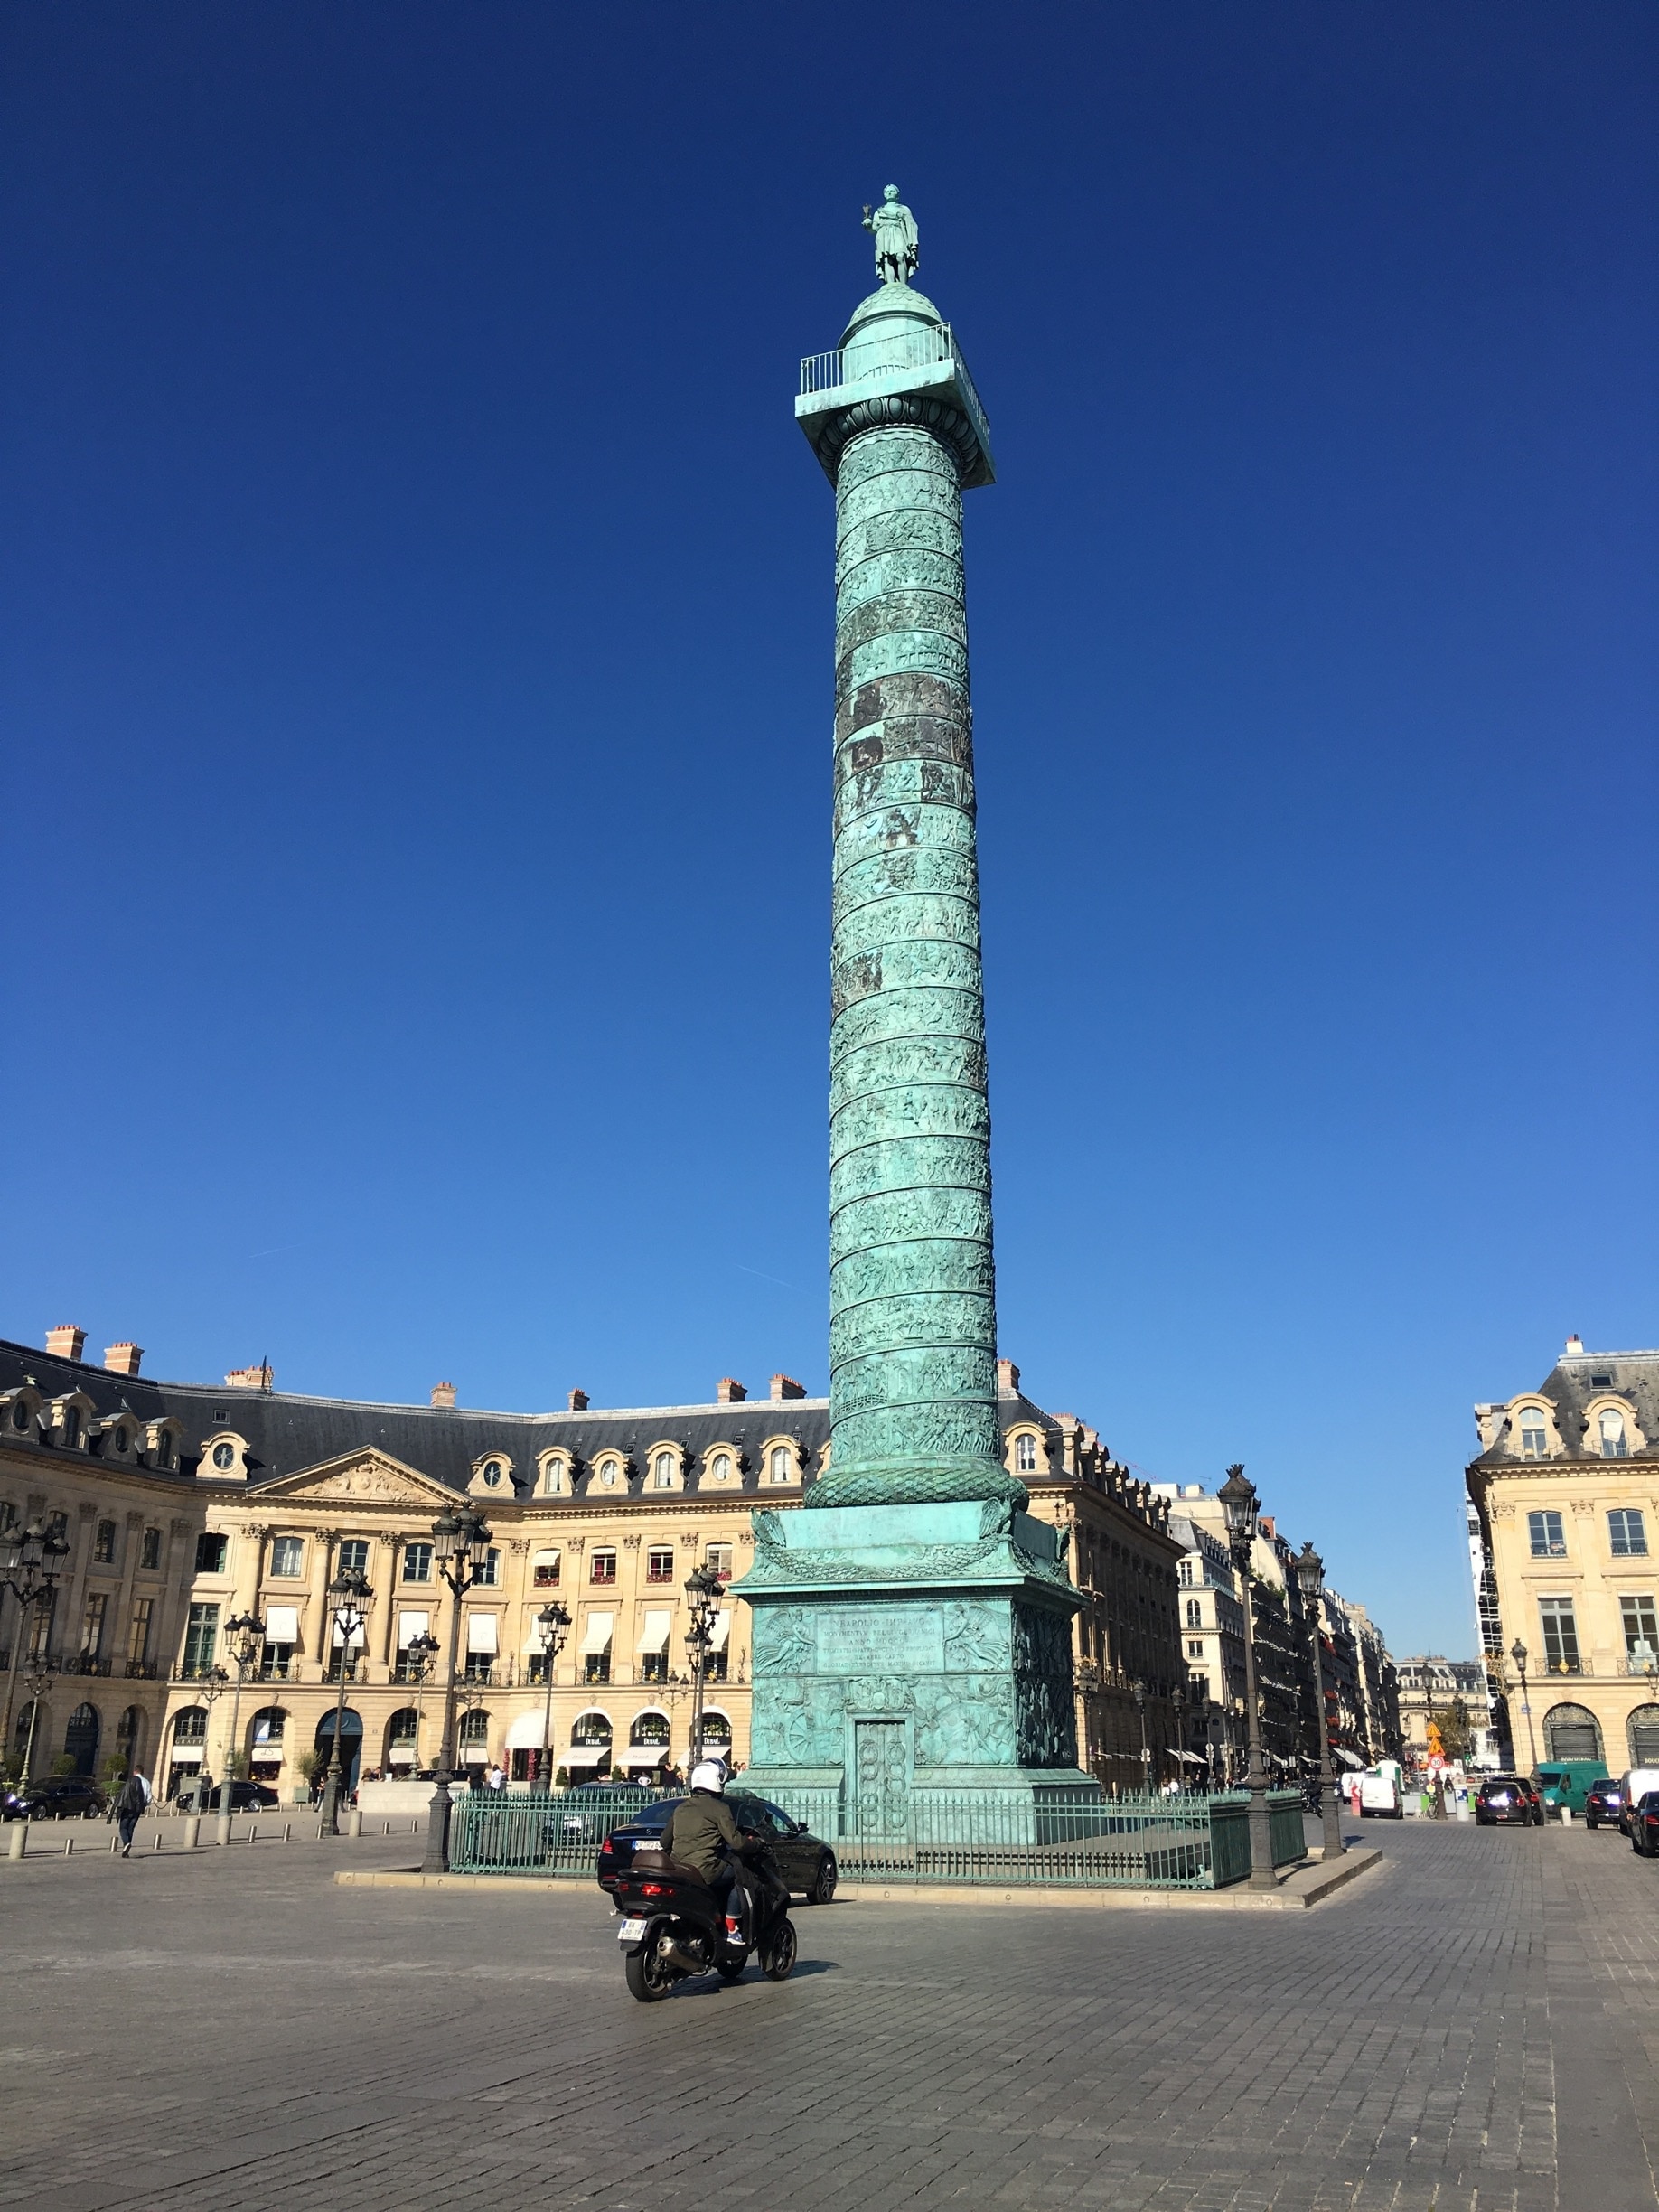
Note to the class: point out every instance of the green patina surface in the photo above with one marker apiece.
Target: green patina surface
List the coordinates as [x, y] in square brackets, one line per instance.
[911, 1624]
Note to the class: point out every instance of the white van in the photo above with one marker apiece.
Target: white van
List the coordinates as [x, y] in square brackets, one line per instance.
[1637, 1782]
[1379, 1792]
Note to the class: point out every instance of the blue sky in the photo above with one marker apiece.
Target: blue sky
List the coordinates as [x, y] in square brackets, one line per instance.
[417, 695]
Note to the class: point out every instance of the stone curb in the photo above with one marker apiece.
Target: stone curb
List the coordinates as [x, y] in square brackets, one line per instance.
[1303, 1887]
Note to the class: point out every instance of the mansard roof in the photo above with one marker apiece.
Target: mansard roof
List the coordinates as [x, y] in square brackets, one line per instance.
[1573, 1384]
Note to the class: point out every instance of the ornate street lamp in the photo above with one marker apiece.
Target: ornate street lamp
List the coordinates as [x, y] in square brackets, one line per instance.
[244, 1642]
[1177, 1704]
[350, 1594]
[210, 1685]
[29, 1557]
[416, 1662]
[1240, 1505]
[462, 1540]
[1146, 1755]
[1518, 1654]
[552, 1628]
[703, 1596]
[1310, 1578]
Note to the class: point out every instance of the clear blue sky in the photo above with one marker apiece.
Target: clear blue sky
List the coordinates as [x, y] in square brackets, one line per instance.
[417, 694]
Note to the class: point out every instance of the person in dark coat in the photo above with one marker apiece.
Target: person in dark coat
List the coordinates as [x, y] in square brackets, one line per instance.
[128, 1810]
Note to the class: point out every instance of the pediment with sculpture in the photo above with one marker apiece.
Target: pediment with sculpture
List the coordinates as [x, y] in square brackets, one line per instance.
[368, 1478]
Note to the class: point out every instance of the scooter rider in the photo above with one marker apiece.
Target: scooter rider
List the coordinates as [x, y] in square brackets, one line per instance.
[702, 1833]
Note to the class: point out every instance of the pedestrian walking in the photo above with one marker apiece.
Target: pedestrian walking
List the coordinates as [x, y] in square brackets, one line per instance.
[129, 1809]
[495, 1779]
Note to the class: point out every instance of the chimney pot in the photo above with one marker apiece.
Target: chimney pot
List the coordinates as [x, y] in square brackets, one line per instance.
[730, 1392]
[443, 1393]
[1575, 1345]
[259, 1378]
[65, 1341]
[122, 1358]
[1008, 1379]
[786, 1386]
[578, 1402]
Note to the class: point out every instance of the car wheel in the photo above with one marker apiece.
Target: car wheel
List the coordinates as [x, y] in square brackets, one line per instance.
[823, 1881]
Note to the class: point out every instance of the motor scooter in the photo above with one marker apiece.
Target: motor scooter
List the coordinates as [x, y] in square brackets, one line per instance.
[674, 1926]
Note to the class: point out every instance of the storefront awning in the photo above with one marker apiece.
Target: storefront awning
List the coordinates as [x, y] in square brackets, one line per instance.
[654, 1634]
[282, 1624]
[597, 1635]
[480, 1632]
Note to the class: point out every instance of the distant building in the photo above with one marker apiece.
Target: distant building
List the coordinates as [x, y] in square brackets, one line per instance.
[1429, 1686]
[1563, 1495]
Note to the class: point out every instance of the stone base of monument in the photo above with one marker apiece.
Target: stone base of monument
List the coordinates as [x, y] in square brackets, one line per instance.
[912, 1672]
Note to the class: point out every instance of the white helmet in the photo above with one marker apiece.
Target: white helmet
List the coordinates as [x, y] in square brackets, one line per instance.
[708, 1775]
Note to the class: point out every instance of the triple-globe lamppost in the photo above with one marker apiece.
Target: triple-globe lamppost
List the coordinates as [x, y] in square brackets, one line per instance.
[461, 1540]
[350, 1596]
[415, 1662]
[1518, 1654]
[30, 1553]
[1241, 1507]
[552, 1628]
[1310, 1578]
[703, 1596]
[244, 1643]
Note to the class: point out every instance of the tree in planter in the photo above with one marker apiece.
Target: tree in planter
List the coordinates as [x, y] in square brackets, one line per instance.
[313, 1766]
[1456, 1729]
[561, 1780]
[64, 1763]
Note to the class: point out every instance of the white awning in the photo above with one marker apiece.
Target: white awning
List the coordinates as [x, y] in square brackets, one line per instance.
[722, 1629]
[187, 1755]
[654, 1634]
[355, 1640]
[525, 1734]
[480, 1632]
[282, 1624]
[596, 1637]
[545, 1559]
[411, 1626]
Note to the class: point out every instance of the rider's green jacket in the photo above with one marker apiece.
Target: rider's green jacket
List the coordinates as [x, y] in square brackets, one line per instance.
[697, 1828]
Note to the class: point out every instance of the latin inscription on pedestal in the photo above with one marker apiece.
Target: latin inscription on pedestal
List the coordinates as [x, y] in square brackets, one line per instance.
[881, 1640]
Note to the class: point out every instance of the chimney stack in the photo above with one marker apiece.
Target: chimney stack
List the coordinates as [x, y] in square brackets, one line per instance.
[65, 1341]
[1575, 1345]
[122, 1358]
[730, 1392]
[259, 1378]
[1008, 1379]
[578, 1402]
[786, 1386]
[444, 1394]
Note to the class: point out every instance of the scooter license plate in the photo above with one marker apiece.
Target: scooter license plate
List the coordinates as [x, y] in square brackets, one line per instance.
[630, 1931]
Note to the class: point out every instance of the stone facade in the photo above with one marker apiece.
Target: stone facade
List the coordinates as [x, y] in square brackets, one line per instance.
[1565, 1497]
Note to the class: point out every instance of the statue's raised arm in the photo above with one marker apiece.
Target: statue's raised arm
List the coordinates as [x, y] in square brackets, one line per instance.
[894, 231]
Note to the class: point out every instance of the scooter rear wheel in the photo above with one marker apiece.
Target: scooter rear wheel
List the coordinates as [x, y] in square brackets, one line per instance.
[778, 1958]
[731, 1970]
[648, 1977]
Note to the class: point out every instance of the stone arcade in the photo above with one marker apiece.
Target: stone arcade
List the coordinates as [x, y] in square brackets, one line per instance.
[912, 1625]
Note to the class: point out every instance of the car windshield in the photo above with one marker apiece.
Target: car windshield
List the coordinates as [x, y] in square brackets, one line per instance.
[654, 1818]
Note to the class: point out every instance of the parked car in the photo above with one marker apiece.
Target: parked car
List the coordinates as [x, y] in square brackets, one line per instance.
[1508, 1798]
[1568, 1782]
[1644, 1824]
[58, 1797]
[245, 1797]
[1379, 1793]
[1637, 1782]
[805, 1862]
[586, 1814]
[1604, 1804]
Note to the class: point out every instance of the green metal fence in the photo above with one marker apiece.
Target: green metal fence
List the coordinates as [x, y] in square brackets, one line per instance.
[1056, 1839]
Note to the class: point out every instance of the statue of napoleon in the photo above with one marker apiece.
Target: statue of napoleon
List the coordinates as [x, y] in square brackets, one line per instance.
[895, 238]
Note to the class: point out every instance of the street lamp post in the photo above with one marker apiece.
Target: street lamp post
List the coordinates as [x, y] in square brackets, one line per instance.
[1178, 1701]
[1240, 1505]
[244, 1641]
[211, 1683]
[1518, 1654]
[351, 1594]
[552, 1628]
[1310, 1576]
[462, 1539]
[1146, 1755]
[416, 1659]
[703, 1594]
[29, 1557]
[36, 1675]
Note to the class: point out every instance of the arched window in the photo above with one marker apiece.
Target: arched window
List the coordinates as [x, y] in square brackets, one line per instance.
[717, 1731]
[80, 1738]
[401, 1731]
[591, 1729]
[128, 1728]
[20, 1414]
[783, 1463]
[608, 1472]
[30, 1718]
[164, 1449]
[1534, 1434]
[1026, 1455]
[1613, 1444]
[189, 1727]
[1570, 1733]
[720, 1466]
[553, 1477]
[650, 1731]
[71, 1426]
[1643, 1729]
[269, 1725]
[665, 1470]
[474, 1735]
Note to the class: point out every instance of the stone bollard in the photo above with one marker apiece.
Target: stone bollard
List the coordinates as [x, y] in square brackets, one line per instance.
[17, 1843]
[192, 1829]
[354, 1823]
[253, 1832]
[287, 1830]
[69, 1845]
[1566, 1816]
[223, 1835]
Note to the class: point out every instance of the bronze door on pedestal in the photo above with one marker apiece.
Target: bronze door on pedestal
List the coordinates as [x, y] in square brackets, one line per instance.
[881, 1779]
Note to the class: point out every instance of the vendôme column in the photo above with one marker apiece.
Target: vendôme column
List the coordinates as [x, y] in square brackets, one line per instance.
[911, 1622]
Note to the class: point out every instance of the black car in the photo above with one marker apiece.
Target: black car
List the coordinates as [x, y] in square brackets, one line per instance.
[1508, 1797]
[1604, 1803]
[58, 1797]
[246, 1797]
[805, 1862]
[1645, 1825]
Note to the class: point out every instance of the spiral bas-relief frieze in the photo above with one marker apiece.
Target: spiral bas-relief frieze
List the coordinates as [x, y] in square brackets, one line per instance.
[916, 1268]
[893, 1318]
[876, 1014]
[906, 1163]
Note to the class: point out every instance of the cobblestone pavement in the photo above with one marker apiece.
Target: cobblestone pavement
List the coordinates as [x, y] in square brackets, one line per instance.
[1470, 2027]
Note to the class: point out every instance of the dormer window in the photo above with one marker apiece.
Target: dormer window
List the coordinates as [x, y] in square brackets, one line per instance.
[123, 1437]
[783, 1464]
[20, 1414]
[1534, 1435]
[1615, 1444]
[1026, 1454]
[553, 1477]
[224, 1455]
[665, 1470]
[607, 1474]
[162, 1454]
[71, 1427]
[491, 1472]
[720, 1466]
